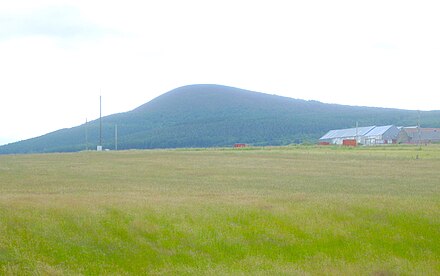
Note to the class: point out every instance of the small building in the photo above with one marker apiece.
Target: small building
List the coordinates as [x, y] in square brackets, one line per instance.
[240, 145]
[371, 135]
[349, 143]
[418, 135]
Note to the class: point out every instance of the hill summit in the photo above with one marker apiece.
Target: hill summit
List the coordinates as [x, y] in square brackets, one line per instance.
[207, 115]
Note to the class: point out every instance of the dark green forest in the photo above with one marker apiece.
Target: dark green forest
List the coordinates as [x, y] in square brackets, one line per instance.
[218, 116]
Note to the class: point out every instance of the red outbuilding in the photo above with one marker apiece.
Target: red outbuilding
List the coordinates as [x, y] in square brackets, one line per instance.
[240, 145]
[349, 142]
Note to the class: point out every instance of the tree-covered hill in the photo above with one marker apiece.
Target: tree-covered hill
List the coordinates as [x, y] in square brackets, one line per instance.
[213, 115]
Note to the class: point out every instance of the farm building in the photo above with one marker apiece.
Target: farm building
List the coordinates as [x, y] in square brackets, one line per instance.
[382, 135]
[371, 135]
[416, 135]
[338, 136]
[240, 145]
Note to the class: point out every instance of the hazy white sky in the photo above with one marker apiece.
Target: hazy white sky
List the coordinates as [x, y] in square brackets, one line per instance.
[56, 56]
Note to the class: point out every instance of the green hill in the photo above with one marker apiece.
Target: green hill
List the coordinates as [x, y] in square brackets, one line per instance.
[213, 115]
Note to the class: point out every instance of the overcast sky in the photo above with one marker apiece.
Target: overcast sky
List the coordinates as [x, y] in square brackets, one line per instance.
[57, 57]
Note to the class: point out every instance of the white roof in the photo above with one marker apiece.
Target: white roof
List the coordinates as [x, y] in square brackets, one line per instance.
[353, 132]
[377, 131]
[349, 132]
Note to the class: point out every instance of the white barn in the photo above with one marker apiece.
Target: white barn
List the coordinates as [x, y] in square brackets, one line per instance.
[371, 135]
[382, 135]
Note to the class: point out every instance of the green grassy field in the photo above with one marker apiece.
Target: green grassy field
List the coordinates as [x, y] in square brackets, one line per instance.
[293, 210]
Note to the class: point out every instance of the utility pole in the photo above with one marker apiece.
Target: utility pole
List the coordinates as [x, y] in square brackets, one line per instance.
[418, 130]
[100, 121]
[87, 138]
[116, 136]
[99, 148]
[357, 132]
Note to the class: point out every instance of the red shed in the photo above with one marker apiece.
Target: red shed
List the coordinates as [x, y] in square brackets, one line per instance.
[349, 142]
[240, 145]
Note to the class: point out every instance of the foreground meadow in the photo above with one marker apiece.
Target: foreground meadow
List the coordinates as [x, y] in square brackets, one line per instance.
[292, 210]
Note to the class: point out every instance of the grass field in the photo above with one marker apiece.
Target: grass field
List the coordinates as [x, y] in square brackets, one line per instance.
[293, 210]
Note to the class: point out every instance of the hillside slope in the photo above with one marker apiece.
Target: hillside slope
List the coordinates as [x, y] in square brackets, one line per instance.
[213, 115]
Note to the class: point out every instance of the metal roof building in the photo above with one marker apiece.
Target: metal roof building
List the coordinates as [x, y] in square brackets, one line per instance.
[382, 135]
[370, 135]
[337, 136]
[415, 135]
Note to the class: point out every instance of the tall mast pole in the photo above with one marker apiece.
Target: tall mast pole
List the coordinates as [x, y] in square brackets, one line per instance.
[87, 138]
[418, 130]
[357, 132]
[100, 121]
[116, 137]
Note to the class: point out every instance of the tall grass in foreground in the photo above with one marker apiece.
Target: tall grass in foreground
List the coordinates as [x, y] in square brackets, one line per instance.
[293, 210]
